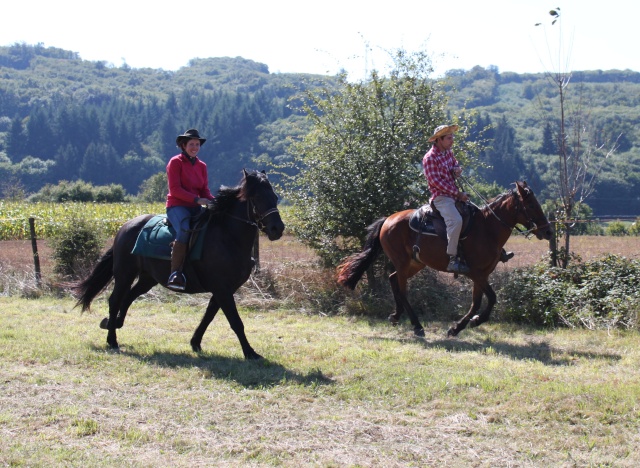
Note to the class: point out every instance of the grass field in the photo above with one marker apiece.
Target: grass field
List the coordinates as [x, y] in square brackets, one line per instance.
[333, 390]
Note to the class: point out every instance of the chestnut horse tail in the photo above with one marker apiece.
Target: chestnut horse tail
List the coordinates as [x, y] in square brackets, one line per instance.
[353, 267]
[86, 290]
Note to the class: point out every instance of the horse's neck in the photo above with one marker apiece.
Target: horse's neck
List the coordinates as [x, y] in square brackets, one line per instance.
[243, 227]
[501, 219]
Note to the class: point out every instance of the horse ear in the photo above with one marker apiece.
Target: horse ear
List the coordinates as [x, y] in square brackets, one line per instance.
[264, 172]
[244, 173]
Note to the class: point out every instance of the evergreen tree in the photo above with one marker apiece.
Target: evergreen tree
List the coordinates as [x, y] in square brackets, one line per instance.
[16, 141]
[548, 141]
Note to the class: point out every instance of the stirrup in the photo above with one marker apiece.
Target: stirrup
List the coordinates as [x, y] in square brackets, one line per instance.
[456, 266]
[177, 281]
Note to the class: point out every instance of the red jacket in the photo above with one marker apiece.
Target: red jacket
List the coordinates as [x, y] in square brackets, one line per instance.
[187, 181]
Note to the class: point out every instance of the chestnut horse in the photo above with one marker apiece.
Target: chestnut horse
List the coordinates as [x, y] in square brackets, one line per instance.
[225, 264]
[492, 226]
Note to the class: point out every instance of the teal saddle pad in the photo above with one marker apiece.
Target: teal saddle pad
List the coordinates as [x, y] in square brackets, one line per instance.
[155, 238]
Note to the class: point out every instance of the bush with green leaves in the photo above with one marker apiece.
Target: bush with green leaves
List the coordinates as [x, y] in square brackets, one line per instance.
[601, 293]
[80, 191]
[616, 228]
[76, 248]
[634, 229]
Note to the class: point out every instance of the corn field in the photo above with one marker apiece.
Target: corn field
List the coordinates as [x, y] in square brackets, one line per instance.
[50, 218]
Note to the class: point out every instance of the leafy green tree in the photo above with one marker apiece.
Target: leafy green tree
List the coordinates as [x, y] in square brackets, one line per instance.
[362, 160]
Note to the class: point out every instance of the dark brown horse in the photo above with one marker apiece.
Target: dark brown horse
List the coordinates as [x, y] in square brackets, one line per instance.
[492, 226]
[225, 263]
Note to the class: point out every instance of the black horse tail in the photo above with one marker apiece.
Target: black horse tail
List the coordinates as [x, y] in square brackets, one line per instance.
[102, 274]
[353, 267]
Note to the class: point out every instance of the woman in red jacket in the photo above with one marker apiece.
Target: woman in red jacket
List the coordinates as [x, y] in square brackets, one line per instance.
[188, 191]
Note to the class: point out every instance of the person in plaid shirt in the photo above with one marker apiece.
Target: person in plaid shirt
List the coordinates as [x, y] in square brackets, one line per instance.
[441, 169]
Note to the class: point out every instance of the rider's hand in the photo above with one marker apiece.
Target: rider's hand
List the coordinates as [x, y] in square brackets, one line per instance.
[463, 197]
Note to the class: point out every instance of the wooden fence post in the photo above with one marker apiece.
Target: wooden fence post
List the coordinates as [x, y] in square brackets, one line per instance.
[553, 242]
[34, 247]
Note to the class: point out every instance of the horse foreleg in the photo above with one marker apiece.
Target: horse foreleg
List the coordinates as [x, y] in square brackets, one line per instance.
[475, 306]
[484, 315]
[228, 305]
[400, 296]
[209, 315]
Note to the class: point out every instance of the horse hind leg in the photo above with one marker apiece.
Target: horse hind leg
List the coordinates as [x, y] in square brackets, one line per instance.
[402, 303]
[120, 300]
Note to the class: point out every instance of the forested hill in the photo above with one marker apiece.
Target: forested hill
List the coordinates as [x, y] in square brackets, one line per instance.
[524, 111]
[63, 118]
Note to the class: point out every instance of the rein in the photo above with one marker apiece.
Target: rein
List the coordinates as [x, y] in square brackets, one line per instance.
[519, 203]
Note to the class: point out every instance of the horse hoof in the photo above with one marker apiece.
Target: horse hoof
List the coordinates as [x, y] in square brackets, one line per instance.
[474, 321]
[451, 332]
[196, 348]
[104, 324]
[392, 320]
[253, 357]
[419, 332]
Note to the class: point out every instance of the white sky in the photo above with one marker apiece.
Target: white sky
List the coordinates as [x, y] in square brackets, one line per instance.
[326, 36]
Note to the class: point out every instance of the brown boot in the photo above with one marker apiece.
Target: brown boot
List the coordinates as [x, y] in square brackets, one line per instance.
[177, 281]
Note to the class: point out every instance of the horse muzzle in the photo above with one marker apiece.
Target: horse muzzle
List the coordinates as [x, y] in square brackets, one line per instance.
[543, 232]
[271, 224]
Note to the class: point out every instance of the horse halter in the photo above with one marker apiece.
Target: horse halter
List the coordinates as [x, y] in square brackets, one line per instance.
[253, 217]
[521, 206]
[259, 218]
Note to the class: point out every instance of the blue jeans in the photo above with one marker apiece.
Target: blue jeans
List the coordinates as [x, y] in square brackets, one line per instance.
[180, 217]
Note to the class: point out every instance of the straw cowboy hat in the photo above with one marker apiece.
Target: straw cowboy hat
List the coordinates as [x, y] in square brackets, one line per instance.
[443, 130]
[190, 134]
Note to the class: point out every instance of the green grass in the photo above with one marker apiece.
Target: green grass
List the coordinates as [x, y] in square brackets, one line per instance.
[332, 391]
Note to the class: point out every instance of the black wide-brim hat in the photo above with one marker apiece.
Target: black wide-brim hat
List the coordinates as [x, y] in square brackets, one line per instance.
[191, 134]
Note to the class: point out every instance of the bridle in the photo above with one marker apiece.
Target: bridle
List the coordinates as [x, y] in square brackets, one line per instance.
[254, 218]
[521, 206]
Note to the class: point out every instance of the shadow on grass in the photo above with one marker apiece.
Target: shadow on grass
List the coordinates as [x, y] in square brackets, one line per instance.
[540, 351]
[536, 350]
[250, 374]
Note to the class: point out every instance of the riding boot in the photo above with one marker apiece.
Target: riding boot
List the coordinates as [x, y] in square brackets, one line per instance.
[506, 256]
[457, 266]
[177, 281]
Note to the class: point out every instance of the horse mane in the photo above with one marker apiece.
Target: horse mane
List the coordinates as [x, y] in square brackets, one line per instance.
[493, 202]
[227, 197]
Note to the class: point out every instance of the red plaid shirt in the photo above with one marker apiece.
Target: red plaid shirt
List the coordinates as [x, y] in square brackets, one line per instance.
[438, 170]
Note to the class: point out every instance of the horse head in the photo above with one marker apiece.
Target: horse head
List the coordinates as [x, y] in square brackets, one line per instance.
[530, 212]
[263, 203]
